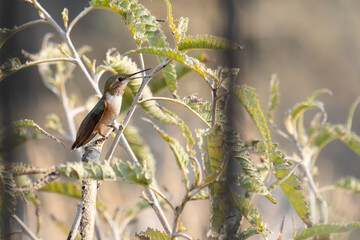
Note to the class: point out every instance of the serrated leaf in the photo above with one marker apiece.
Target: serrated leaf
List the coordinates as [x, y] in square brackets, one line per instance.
[250, 180]
[274, 96]
[7, 193]
[10, 66]
[203, 108]
[207, 42]
[291, 187]
[143, 27]
[140, 149]
[152, 234]
[115, 171]
[349, 183]
[322, 229]
[249, 211]
[16, 134]
[248, 98]
[182, 158]
[191, 62]
[180, 30]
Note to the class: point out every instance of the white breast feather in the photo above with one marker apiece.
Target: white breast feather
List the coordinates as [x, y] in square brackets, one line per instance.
[114, 102]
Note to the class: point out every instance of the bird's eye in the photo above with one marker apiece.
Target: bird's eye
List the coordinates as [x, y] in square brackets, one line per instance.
[119, 79]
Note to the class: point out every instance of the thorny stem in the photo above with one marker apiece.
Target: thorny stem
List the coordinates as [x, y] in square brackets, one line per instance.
[25, 228]
[176, 101]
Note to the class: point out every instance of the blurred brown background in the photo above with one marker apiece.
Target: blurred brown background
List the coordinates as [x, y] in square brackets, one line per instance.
[309, 44]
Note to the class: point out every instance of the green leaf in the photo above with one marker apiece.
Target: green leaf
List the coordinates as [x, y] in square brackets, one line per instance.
[207, 42]
[188, 61]
[190, 142]
[213, 155]
[274, 96]
[351, 114]
[329, 133]
[16, 134]
[140, 149]
[6, 33]
[144, 28]
[65, 188]
[247, 209]
[291, 120]
[248, 98]
[158, 82]
[201, 195]
[115, 171]
[349, 183]
[247, 233]
[152, 234]
[322, 229]
[291, 187]
[10, 66]
[182, 158]
[250, 180]
[203, 108]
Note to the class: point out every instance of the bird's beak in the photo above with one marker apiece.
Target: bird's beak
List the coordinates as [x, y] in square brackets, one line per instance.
[130, 75]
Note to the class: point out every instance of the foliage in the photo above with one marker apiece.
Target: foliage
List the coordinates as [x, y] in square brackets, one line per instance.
[231, 172]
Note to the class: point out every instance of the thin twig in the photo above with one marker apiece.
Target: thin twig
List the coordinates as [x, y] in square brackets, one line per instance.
[75, 224]
[176, 101]
[77, 18]
[25, 228]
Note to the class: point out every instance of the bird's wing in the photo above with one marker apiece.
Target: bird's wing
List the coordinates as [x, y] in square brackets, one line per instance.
[88, 125]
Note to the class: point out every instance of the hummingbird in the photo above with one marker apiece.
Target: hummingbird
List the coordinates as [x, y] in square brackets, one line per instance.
[102, 116]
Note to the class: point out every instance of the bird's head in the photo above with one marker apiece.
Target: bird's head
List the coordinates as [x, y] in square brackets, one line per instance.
[115, 84]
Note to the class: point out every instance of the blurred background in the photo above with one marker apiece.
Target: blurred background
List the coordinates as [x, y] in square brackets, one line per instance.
[310, 45]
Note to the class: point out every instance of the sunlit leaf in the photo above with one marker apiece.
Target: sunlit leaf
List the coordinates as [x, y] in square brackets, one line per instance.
[207, 42]
[115, 171]
[299, 109]
[291, 187]
[188, 61]
[249, 211]
[69, 189]
[322, 229]
[248, 98]
[274, 96]
[200, 106]
[143, 27]
[152, 234]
